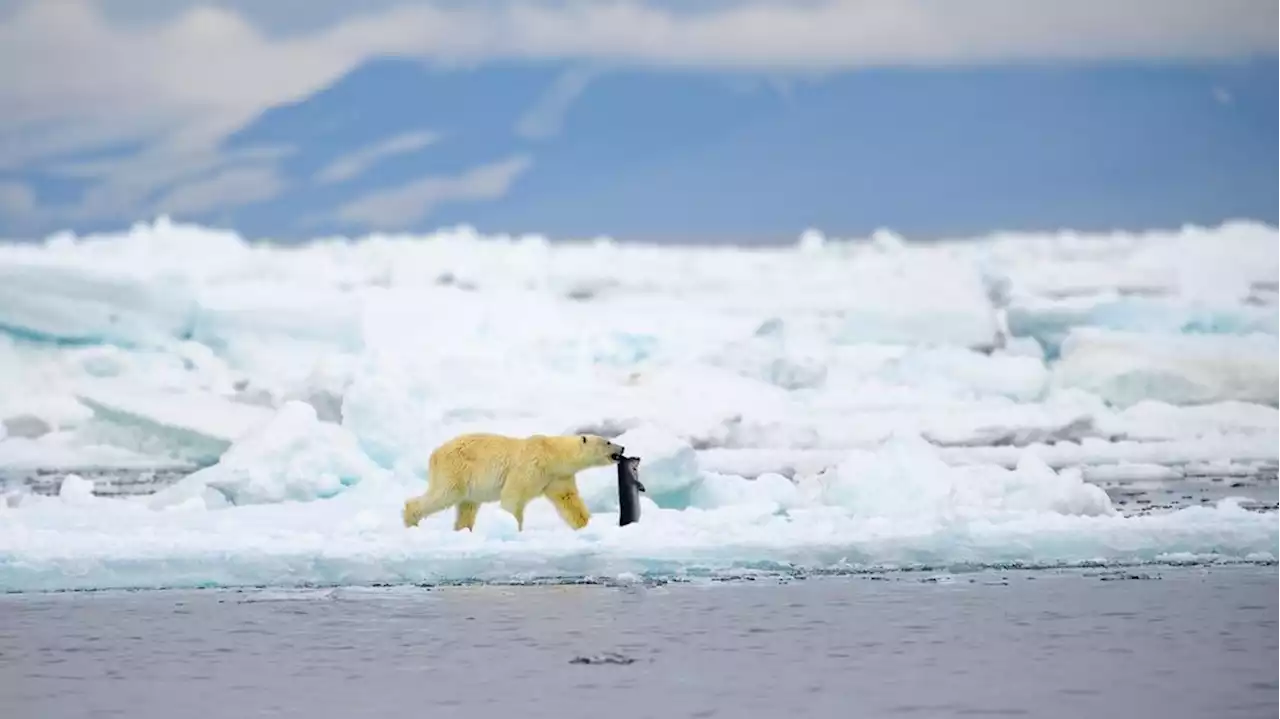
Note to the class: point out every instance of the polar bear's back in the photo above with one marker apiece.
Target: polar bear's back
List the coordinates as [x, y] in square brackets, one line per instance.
[474, 466]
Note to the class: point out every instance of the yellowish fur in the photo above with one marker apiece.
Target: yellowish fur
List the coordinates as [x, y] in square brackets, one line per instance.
[479, 468]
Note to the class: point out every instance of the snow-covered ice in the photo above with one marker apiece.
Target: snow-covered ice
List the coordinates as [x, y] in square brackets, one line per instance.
[1129, 367]
[837, 404]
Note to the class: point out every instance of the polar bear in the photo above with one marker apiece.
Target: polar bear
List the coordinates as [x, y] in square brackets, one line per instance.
[475, 468]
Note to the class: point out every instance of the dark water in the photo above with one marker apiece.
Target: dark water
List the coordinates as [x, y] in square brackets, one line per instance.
[1167, 642]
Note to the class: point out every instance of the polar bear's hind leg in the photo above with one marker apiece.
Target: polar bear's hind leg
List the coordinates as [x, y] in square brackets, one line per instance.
[437, 498]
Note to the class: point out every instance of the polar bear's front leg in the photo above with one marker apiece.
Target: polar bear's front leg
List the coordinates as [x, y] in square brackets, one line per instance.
[418, 508]
[563, 493]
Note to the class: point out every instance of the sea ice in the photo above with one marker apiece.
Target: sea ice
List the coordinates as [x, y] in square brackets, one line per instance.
[82, 304]
[291, 456]
[840, 404]
[1051, 321]
[897, 507]
[1128, 367]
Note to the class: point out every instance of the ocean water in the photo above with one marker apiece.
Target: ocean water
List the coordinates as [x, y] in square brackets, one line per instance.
[1170, 642]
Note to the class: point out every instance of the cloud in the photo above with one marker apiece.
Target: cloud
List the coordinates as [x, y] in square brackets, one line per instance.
[547, 114]
[71, 83]
[124, 188]
[226, 188]
[16, 199]
[19, 206]
[100, 82]
[189, 82]
[177, 84]
[349, 166]
[401, 207]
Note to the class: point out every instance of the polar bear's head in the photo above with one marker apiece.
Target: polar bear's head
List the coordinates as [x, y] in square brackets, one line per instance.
[572, 453]
[600, 451]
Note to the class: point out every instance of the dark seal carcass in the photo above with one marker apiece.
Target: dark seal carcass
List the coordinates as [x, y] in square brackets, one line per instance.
[629, 489]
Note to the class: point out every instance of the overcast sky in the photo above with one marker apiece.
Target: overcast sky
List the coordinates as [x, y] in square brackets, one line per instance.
[120, 110]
